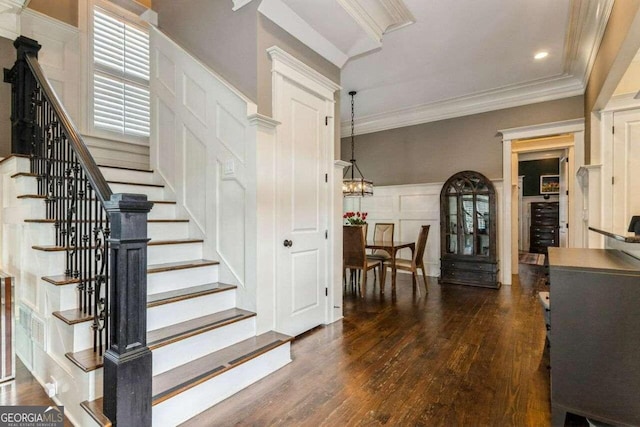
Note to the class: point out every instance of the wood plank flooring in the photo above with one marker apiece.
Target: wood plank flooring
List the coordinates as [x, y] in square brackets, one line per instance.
[457, 356]
[25, 390]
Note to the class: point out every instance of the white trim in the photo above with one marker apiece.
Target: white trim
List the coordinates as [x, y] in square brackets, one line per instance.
[622, 102]
[262, 121]
[341, 164]
[545, 129]
[9, 18]
[508, 239]
[293, 69]
[292, 23]
[237, 4]
[59, 25]
[586, 29]
[378, 17]
[512, 96]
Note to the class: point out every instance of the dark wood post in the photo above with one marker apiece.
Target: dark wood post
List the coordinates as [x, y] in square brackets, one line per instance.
[23, 85]
[127, 362]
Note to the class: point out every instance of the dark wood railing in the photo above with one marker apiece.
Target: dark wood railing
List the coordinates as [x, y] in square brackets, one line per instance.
[104, 235]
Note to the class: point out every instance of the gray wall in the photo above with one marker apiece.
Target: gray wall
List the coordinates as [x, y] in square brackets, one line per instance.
[63, 10]
[432, 152]
[7, 58]
[222, 39]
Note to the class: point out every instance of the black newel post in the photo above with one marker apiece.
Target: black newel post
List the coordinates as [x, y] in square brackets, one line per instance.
[23, 85]
[127, 362]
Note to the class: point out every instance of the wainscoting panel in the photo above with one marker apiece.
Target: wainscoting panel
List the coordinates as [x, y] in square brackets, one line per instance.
[204, 163]
[59, 56]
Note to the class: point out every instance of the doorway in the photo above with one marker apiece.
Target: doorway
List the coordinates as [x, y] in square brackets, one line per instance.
[566, 135]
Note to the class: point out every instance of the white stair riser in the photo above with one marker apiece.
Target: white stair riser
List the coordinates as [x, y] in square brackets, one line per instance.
[167, 230]
[186, 405]
[163, 211]
[183, 351]
[153, 193]
[76, 337]
[14, 165]
[25, 185]
[60, 298]
[124, 175]
[158, 254]
[180, 279]
[168, 314]
[17, 214]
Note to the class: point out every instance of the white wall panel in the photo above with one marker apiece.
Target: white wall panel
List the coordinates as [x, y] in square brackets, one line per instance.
[203, 121]
[59, 56]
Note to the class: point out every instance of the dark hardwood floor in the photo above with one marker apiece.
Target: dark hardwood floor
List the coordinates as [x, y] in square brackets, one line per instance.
[25, 390]
[458, 356]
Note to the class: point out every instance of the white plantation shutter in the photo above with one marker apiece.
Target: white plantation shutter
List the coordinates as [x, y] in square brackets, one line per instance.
[121, 76]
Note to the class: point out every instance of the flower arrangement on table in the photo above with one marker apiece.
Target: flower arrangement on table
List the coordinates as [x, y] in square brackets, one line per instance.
[355, 218]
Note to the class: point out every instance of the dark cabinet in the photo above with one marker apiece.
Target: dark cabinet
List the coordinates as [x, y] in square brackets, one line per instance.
[543, 231]
[468, 231]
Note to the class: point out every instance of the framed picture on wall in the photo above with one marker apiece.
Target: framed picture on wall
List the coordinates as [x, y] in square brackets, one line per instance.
[549, 184]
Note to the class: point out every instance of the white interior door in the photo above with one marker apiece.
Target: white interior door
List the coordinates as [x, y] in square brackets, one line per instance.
[302, 211]
[626, 168]
[563, 205]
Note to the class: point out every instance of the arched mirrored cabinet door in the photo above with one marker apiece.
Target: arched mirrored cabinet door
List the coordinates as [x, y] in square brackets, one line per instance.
[468, 231]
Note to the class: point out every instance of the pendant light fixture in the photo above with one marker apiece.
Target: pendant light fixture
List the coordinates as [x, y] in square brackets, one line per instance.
[352, 186]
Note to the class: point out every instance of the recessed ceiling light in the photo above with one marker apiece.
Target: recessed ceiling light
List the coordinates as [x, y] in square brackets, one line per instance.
[541, 54]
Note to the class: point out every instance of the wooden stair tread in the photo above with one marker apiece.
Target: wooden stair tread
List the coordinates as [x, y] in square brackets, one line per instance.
[73, 316]
[27, 174]
[54, 248]
[53, 221]
[94, 408]
[179, 331]
[11, 156]
[61, 279]
[162, 298]
[87, 360]
[136, 183]
[181, 265]
[126, 168]
[195, 372]
[173, 242]
[42, 196]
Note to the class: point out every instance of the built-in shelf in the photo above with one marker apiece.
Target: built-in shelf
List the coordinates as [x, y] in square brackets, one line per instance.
[627, 237]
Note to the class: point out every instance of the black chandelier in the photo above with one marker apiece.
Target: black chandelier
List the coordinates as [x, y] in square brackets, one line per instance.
[353, 186]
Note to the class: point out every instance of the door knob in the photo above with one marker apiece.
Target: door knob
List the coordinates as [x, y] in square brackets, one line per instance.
[288, 243]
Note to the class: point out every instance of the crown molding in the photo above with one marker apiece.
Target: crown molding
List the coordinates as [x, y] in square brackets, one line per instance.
[508, 97]
[587, 24]
[544, 129]
[9, 18]
[287, 65]
[291, 22]
[260, 120]
[237, 4]
[378, 17]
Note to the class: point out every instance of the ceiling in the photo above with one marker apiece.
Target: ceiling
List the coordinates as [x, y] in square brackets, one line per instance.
[415, 61]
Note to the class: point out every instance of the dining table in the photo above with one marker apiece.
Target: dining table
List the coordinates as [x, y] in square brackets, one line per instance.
[392, 247]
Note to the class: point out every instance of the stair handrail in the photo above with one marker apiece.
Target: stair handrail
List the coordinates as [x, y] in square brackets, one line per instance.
[95, 176]
[104, 237]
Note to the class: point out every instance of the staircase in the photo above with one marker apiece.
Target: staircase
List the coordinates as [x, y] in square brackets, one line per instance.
[204, 347]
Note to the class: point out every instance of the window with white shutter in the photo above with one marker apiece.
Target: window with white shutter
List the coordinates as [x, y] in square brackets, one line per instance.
[120, 75]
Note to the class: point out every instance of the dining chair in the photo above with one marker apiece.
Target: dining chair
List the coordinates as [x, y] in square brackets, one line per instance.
[354, 256]
[411, 265]
[382, 232]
